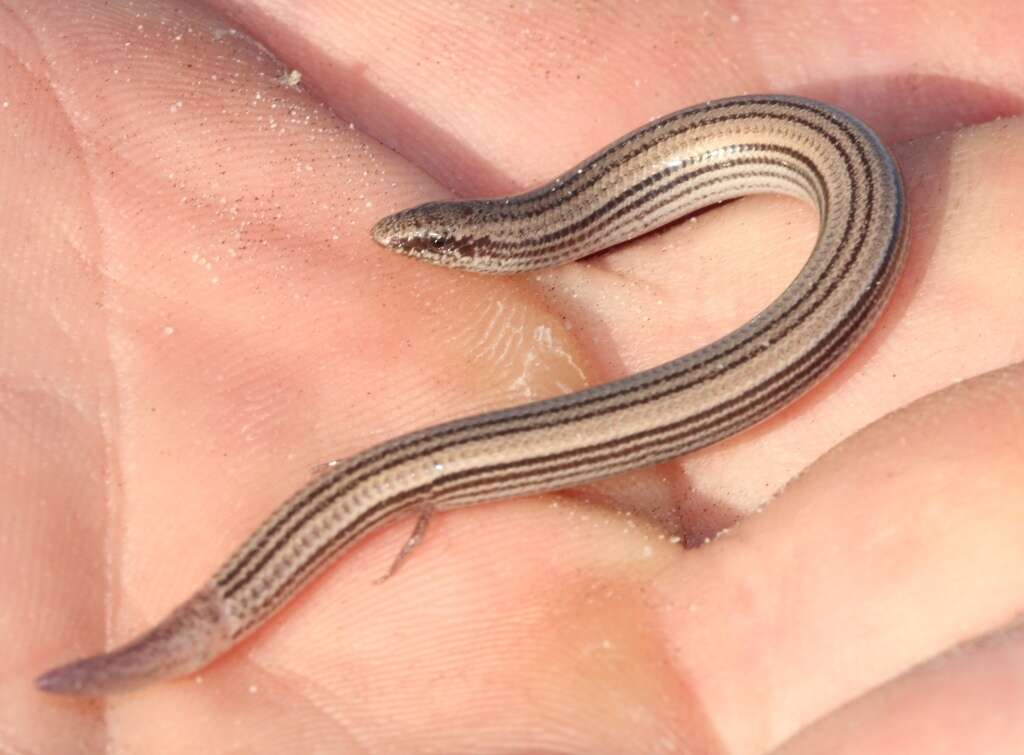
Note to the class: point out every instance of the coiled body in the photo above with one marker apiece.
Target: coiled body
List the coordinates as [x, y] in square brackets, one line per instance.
[685, 161]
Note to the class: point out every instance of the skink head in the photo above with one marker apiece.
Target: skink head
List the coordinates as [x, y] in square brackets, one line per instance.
[439, 232]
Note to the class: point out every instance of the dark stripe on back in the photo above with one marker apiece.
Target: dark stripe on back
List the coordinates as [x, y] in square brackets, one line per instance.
[388, 457]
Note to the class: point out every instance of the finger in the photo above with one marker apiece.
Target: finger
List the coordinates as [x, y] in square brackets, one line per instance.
[488, 99]
[900, 544]
[966, 701]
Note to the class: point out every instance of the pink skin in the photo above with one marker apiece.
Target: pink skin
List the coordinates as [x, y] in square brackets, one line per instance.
[194, 315]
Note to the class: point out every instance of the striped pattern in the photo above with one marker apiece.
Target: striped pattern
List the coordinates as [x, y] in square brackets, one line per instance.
[663, 171]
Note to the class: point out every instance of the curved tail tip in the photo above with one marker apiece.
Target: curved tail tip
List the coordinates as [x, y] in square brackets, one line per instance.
[109, 673]
[72, 679]
[190, 637]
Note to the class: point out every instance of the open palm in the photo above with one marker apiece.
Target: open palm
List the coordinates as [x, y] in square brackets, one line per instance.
[194, 317]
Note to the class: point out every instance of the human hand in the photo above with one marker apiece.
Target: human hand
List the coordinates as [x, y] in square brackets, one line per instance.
[195, 316]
